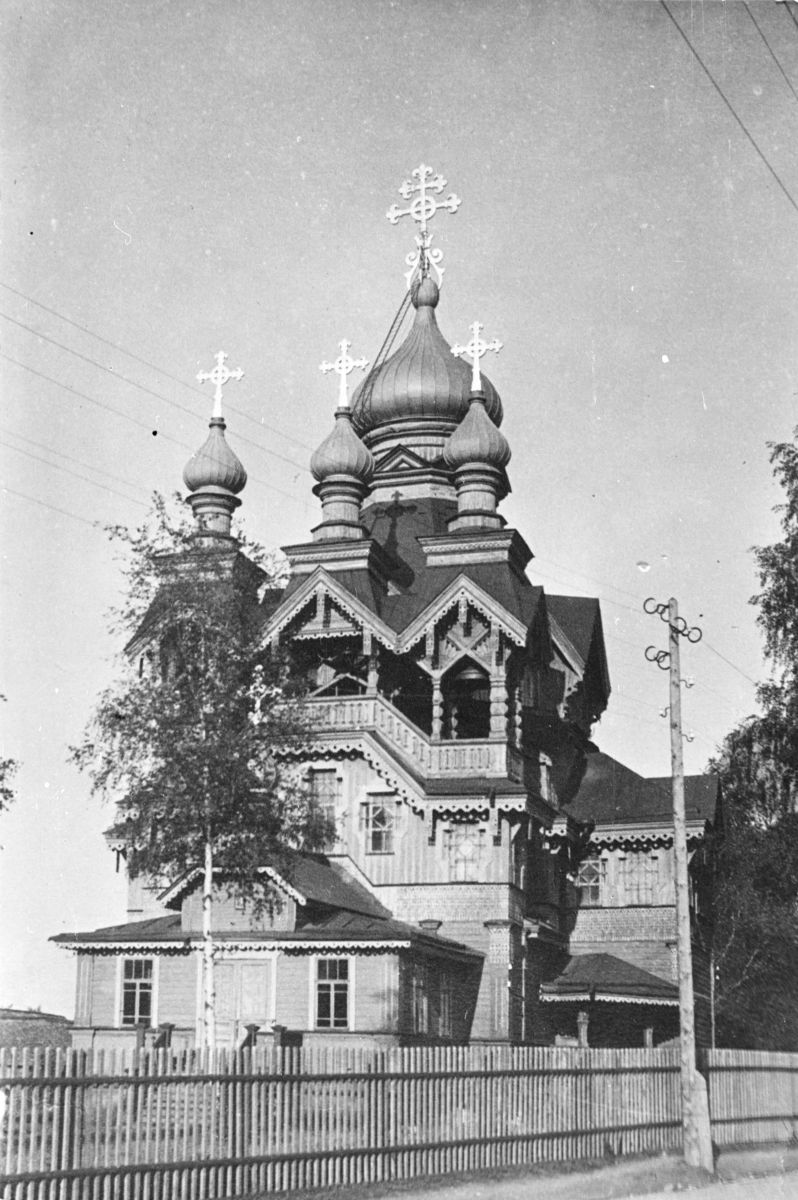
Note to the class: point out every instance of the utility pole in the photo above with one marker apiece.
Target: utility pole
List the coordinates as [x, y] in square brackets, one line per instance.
[695, 1107]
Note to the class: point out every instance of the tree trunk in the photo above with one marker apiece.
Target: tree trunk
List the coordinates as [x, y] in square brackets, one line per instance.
[209, 997]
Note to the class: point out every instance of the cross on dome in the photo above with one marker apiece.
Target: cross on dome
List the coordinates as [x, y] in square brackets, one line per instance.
[343, 366]
[220, 375]
[422, 208]
[476, 349]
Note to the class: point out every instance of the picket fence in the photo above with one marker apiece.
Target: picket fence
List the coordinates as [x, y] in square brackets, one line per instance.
[194, 1125]
[753, 1096]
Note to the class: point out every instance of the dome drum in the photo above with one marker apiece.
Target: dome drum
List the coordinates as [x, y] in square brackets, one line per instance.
[341, 497]
[479, 490]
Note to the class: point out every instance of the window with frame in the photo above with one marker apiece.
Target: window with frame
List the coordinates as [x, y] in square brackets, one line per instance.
[464, 847]
[420, 997]
[323, 785]
[332, 993]
[639, 878]
[591, 880]
[378, 820]
[137, 991]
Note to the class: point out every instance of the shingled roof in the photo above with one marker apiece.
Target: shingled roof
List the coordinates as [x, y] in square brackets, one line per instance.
[605, 977]
[612, 794]
[337, 926]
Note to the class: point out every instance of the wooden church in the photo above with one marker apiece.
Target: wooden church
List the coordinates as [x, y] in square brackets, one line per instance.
[493, 877]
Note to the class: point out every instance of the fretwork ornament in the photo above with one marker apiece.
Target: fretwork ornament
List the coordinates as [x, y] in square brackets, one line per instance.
[343, 366]
[476, 349]
[422, 208]
[220, 375]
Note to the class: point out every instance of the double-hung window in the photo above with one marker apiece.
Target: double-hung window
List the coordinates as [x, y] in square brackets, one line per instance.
[137, 991]
[332, 993]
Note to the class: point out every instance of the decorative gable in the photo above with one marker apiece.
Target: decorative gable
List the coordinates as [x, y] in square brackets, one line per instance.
[400, 459]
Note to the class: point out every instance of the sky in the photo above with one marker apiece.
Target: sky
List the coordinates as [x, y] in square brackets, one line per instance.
[187, 177]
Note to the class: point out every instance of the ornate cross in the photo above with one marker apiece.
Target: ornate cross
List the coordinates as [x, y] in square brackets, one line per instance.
[344, 365]
[422, 208]
[476, 349]
[220, 375]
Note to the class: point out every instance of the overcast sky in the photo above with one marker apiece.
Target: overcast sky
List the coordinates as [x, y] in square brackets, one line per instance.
[185, 177]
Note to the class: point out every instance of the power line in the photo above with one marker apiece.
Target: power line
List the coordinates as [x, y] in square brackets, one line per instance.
[53, 507]
[142, 388]
[787, 6]
[78, 462]
[134, 420]
[76, 474]
[722, 95]
[759, 30]
[146, 363]
[734, 666]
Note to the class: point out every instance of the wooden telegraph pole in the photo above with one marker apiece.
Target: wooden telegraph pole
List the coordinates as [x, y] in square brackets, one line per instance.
[695, 1107]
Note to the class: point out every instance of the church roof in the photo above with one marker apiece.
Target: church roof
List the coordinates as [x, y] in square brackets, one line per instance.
[605, 977]
[612, 794]
[422, 380]
[576, 616]
[397, 528]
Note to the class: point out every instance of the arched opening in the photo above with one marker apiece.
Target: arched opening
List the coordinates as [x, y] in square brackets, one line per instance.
[466, 702]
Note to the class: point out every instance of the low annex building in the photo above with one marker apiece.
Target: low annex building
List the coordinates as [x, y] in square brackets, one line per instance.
[453, 702]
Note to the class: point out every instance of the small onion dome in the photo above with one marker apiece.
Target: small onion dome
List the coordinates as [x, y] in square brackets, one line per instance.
[342, 452]
[214, 464]
[423, 379]
[476, 440]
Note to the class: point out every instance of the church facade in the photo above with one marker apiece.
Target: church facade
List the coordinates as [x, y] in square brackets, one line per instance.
[473, 890]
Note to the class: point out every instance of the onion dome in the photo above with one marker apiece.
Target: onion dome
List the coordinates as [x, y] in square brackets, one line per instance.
[423, 379]
[476, 440]
[342, 452]
[215, 465]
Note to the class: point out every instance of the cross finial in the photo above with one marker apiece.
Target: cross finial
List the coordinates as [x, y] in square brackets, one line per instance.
[422, 208]
[220, 375]
[476, 349]
[343, 366]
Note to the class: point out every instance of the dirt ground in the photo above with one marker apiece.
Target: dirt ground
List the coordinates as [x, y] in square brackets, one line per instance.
[650, 1177]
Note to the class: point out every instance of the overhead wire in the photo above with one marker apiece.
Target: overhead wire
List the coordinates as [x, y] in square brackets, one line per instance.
[788, 8]
[135, 421]
[78, 462]
[771, 51]
[76, 474]
[54, 507]
[146, 363]
[774, 173]
[143, 388]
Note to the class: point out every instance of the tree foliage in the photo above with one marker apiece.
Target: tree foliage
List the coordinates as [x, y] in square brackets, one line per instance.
[8, 769]
[756, 934]
[195, 739]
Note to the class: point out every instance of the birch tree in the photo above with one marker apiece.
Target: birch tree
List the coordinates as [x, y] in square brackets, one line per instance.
[194, 740]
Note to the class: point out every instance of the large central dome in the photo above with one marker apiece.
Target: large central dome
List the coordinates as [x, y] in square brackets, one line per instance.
[423, 381]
